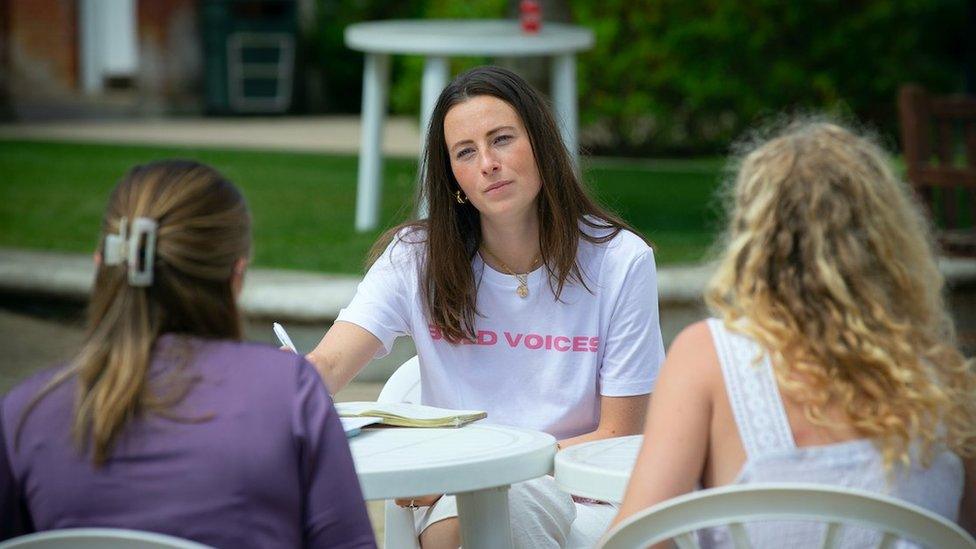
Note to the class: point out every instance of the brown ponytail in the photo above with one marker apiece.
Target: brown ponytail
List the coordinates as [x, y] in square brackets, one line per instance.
[203, 230]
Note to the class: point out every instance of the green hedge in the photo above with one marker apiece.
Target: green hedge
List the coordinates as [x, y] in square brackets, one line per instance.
[677, 77]
[337, 69]
[672, 76]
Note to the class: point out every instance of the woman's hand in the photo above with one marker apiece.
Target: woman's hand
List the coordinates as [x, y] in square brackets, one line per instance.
[421, 501]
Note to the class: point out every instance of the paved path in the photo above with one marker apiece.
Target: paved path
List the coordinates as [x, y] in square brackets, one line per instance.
[31, 343]
[276, 293]
[327, 134]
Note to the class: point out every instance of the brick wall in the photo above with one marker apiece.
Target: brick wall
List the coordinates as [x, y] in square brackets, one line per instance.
[40, 50]
[170, 50]
[42, 44]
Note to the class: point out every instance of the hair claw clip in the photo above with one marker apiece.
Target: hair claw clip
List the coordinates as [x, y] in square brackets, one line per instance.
[114, 251]
[142, 239]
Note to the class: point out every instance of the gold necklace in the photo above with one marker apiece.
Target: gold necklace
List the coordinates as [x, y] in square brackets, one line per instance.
[523, 278]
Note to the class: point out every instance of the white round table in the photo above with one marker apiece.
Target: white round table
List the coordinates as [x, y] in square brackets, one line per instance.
[598, 469]
[477, 463]
[437, 40]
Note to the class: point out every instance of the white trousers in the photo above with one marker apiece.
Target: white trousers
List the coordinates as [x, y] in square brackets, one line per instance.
[542, 516]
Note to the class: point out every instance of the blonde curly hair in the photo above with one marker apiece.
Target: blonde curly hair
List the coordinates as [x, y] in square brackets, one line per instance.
[829, 265]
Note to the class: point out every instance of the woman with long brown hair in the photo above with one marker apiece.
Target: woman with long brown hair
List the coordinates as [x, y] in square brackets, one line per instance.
[523, 297]
[831, 359]
[165, 420]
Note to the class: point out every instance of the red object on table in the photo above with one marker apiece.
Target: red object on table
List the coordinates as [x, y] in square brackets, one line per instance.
[530, 16]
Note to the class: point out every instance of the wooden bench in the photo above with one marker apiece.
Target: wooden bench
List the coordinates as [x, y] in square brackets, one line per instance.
[939, 142]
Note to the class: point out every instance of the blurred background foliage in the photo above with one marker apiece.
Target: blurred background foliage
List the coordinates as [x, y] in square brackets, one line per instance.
[673, 77]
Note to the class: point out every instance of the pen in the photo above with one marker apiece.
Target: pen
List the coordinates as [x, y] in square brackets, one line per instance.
[283, 337]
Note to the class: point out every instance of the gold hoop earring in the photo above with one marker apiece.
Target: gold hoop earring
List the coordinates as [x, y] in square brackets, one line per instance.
[457, 196]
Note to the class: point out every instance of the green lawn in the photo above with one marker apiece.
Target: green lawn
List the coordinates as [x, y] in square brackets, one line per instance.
[52, 196]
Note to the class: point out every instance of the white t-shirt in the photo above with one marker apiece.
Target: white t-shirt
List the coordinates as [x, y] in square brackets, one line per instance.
[538, 363]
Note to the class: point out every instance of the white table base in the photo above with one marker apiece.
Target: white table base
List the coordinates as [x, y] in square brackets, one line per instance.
[399, 520]
[493, 527]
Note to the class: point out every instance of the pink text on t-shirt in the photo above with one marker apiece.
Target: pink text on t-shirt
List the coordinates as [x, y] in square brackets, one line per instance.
[530, 341]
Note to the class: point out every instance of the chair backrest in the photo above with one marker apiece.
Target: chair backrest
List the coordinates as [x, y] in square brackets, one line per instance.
[99, 538]
[732, 506]
[939, 143]
[404, 384]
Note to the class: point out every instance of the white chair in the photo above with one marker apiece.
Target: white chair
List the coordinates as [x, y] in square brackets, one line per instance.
[731, 506]
[99, 538]
[403, 386]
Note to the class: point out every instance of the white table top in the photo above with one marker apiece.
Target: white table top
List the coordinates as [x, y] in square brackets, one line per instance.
[449, 37]
[405, 462]
[598, 469]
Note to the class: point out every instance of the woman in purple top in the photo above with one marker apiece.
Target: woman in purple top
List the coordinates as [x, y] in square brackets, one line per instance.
[165, 421]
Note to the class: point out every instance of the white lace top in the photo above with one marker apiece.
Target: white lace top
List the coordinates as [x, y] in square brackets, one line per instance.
[772, 456]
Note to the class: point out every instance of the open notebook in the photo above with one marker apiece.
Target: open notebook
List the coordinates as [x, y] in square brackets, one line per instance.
[353, 425]
[409, 415]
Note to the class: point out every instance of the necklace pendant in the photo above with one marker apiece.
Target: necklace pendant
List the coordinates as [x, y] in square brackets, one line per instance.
[522, 291]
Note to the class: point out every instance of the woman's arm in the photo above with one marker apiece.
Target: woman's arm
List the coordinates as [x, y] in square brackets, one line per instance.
[14, 518]
[619, 417]
[342, 353]
[633, 350]
[376, 316]
[676, 436]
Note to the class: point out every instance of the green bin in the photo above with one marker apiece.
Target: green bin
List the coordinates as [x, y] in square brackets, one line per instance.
[249, 55]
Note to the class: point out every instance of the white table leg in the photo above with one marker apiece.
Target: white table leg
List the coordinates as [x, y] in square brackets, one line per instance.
[398, 527]
[564, 98]
[484, 519]
[376, 76]
[436, 73]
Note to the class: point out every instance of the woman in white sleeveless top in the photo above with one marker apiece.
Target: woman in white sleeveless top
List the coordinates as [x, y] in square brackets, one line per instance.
[832, 358]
